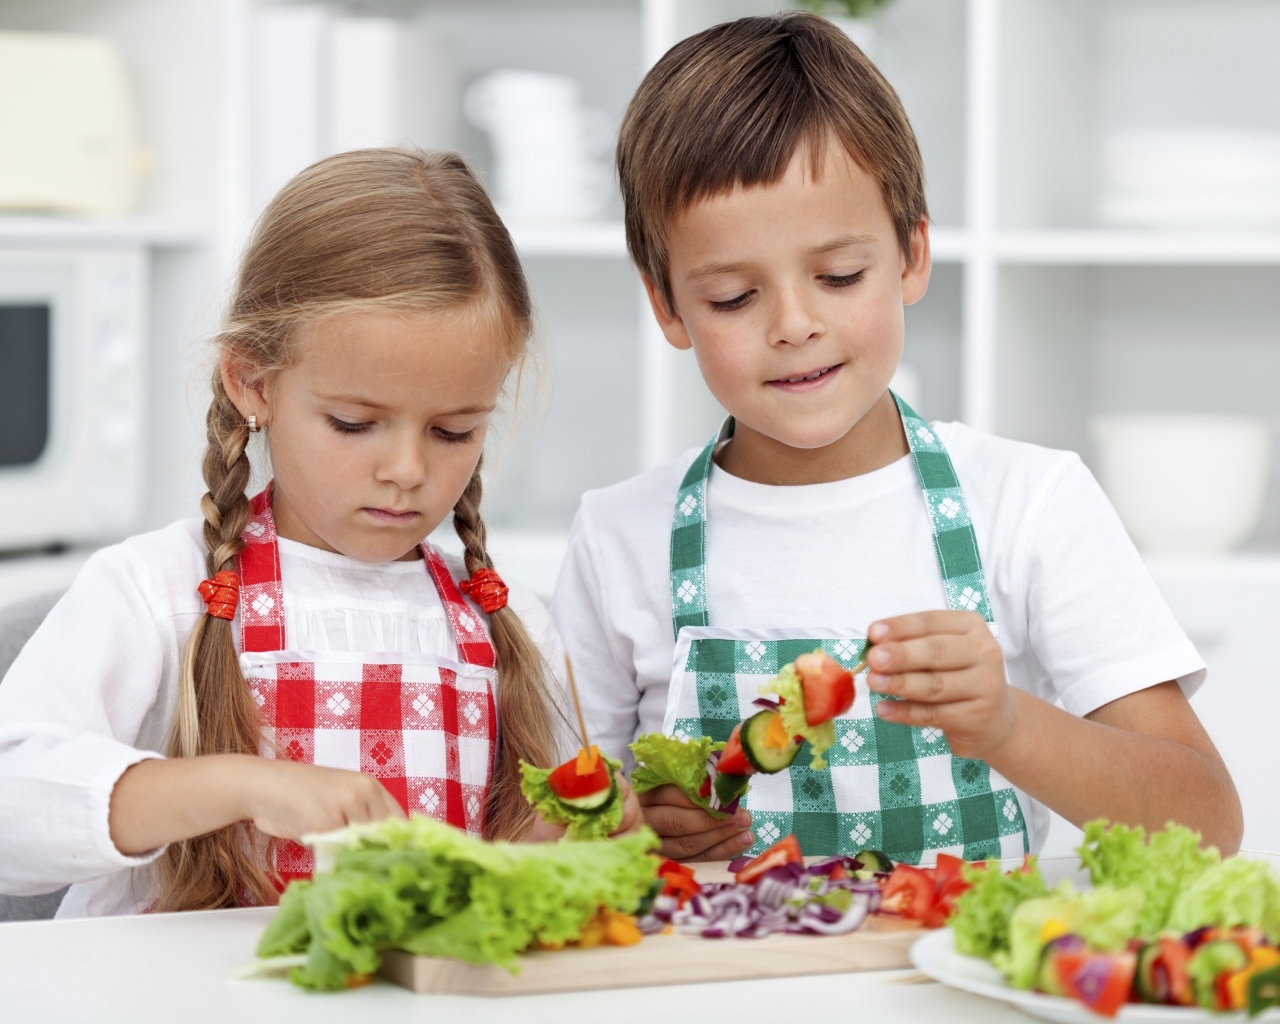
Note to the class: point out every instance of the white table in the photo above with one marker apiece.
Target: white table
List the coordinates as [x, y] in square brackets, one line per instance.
[172, 969]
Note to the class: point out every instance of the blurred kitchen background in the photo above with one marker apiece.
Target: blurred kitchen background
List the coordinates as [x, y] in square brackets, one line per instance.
[1104, 178]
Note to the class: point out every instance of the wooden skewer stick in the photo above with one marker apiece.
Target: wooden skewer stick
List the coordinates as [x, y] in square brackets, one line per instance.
[577, 705]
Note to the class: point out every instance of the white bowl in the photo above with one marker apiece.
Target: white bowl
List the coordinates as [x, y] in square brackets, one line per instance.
[1184, 482]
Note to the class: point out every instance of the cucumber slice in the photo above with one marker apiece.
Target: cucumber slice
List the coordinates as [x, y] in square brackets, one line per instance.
[764, 758]
[596, 801]
[1144, 977]
[730, 787]
[1047, 976]
[874, 860]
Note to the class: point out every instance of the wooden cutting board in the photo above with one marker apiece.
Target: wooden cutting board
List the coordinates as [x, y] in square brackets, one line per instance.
[881, 944]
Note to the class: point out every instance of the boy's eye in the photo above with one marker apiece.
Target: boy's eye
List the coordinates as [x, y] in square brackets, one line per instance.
[346, 427]
[454, 437]
[733, 303]
[842, 280]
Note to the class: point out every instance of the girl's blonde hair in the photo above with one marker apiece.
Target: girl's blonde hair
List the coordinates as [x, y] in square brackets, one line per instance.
[377, 229]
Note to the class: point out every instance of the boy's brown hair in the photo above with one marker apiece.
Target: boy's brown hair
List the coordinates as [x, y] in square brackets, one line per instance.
[730, 106]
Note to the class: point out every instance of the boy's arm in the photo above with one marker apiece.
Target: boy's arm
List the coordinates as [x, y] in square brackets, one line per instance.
[1143, 759]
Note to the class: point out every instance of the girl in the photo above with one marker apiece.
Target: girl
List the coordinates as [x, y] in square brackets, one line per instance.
[380, 308]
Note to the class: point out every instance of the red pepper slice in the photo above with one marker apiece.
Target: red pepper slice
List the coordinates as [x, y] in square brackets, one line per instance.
[784, 851]
[733, 760]
[947, 869]
[909, 892]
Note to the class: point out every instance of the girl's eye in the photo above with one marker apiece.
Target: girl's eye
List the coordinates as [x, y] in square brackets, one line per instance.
[734, 303]
[345, 427]
[452, 437]
[842, 280]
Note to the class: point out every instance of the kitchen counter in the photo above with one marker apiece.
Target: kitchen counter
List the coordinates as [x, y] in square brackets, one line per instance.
[174, 967]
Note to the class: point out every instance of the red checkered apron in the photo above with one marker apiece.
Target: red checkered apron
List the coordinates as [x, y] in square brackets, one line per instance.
[423, 726]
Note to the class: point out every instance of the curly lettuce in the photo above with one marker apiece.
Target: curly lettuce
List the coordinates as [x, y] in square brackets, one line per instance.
[1161, 867]
[788, 687]
[1235, 891]
[430, 889]
[981, 921]
[597, 823]
[665, 760]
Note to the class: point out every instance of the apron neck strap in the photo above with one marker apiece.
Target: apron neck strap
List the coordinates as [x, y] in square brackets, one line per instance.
[954, 542]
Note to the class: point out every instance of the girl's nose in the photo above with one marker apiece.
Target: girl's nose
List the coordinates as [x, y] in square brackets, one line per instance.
[403, 462]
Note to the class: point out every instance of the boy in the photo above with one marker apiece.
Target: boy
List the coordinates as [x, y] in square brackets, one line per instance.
[775, 208]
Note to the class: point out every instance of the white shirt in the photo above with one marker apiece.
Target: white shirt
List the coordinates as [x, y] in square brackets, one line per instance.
[94, 691]
[1078, 616]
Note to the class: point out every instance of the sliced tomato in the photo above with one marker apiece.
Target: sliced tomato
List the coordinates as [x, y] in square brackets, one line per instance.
[733, 761]
[566, 781]
[1099, 980]
[945, 897]
[947, 869]
[1174, 957]
[827, 687]
[837, 873]
[704, 790]
[784, 851]
[909, 892]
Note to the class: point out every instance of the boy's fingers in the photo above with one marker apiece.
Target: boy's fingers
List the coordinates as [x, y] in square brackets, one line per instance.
[906, 712]
[905, 627]
[669, 796]
[928, 687]
[934, 652]
[702, 845]
[734, 846]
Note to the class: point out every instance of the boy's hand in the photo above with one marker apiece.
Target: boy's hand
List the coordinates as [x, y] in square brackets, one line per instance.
[690, 833]
[948, 670]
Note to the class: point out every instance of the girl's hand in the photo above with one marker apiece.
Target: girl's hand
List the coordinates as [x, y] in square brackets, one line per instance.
[288, 800]
[690, 833]
[948, 671]
[632, 814]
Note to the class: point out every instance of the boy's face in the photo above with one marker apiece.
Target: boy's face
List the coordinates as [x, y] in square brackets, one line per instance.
[791, 297]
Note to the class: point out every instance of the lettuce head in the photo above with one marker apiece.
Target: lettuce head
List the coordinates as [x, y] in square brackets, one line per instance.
[1236, 891]
[980, 924]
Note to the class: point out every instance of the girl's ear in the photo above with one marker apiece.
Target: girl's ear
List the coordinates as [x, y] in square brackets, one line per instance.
[669, 320]
[243, 386]
[915, 278]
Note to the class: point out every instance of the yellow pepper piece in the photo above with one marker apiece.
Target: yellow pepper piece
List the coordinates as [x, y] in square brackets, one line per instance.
[1051, 929]
[1260, 959]
[776, 735]
[593, 933]
[588, 760]
[620, 929]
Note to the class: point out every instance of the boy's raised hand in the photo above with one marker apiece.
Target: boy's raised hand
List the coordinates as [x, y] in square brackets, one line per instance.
[690, 833]
[948, 672]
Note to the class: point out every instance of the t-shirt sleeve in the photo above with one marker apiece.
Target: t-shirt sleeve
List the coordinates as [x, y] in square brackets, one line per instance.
[71, 707]
[1097, 622]
[606, 681]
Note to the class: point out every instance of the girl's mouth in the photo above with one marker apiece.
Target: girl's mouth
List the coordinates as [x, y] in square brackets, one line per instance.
[384, 515]
[806, 381]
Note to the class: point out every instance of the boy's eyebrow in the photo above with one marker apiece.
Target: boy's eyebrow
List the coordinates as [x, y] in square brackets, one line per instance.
[841, 242]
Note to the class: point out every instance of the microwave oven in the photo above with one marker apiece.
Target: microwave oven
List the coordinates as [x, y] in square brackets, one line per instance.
[72, 394]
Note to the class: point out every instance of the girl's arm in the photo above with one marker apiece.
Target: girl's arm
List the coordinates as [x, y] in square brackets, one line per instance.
[155, 802]
[1143, 759]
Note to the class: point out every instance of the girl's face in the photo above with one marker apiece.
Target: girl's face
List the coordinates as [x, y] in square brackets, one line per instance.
[375, 431]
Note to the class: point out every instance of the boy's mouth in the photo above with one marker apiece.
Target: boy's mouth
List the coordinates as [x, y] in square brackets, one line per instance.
[806, 381]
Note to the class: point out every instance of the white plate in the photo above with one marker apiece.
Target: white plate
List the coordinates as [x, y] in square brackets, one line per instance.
[935, 955]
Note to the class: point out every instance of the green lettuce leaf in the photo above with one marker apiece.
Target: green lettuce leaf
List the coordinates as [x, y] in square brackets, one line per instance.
[431, 889]
[664, 760]
[598, 823]
[1160, 867]
[1105, 918]
[1236, 891]
[787, 685]
[981, 922]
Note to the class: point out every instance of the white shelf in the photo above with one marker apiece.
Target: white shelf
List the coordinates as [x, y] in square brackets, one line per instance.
[584, 238]
[52, 230]
[1110, 247]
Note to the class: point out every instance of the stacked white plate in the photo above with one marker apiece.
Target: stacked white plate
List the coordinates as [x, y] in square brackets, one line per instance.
[1191, 177]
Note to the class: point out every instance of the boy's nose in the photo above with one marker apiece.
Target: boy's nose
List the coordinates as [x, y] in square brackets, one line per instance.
[794, 322]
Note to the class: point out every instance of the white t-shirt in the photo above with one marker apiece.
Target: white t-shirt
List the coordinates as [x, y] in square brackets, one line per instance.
[94, 691]
[1078, 616]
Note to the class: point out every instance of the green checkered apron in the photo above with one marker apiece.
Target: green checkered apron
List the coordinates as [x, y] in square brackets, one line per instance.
[889, 787]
